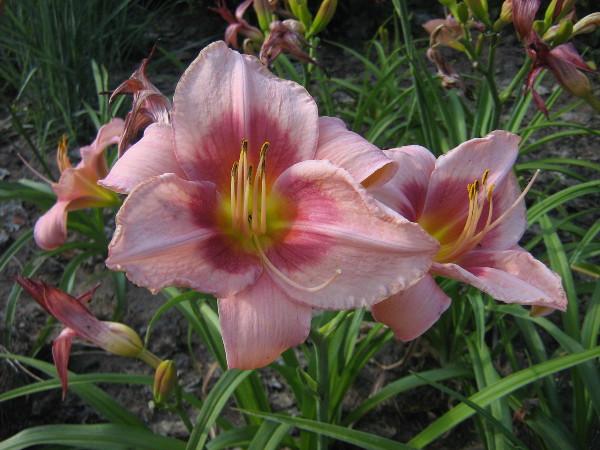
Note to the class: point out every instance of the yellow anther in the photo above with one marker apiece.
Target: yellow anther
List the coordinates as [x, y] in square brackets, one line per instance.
[62, 156]
[485, 175]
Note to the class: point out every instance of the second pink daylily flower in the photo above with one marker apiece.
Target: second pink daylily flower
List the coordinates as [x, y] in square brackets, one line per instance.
[470, 201]
[77, 187]
[260, 202]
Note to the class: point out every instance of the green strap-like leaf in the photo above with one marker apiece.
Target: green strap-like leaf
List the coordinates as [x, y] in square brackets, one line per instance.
[213, 405]
[360, 438]
[497, 390]
[101, 437]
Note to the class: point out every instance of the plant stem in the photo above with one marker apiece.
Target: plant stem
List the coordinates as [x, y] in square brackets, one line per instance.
[518, 79]
[322, 352]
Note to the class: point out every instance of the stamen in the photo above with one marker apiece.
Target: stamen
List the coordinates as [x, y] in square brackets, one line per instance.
[232, 195]
[62, 157]
[246, 199]
[485, 175]
[515, 203]
[285, 278]
[35, 172]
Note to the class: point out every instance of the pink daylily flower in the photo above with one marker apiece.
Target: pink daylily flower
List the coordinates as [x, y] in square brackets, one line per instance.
[77, 187]
[470, 201]
[79, 322]
[149, 105]
[446, 32]
[237, 23]
[266, 211]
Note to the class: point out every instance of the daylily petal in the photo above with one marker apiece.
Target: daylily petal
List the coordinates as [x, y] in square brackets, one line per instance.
[446, 204]
[50, 230]
[92, 157]
[348, 150]
[340, 233]
[412, 312]
[510, 230]
[224, 97]
[511, 276]
[523, 16]
[61, 350]
[406, 191]
[166, 235]
[259, 323]
[566, 65]
[152, 155]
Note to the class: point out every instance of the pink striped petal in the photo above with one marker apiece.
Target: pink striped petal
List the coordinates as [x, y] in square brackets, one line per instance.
[342, 235]
[346, 149]
[447, 204]
[224, 97]
[509, 231]
[92, 156]
[412, 312]
[50, 230]
[511, 276]
[151, 156]
[406, 191]
[166, 235]
[259, 323]
[61, 350]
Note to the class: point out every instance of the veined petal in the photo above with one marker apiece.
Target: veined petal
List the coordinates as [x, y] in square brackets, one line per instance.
[259, 323]
[92, 156]
[224, 97]
[447, 201]
[61, 350]
[412, 312]
[152, 155]
[406, 191]
[511, 276]
[50, 230]
[166, 235]
[509, 231]
[523, 16]
[342, 240]
[346, 149]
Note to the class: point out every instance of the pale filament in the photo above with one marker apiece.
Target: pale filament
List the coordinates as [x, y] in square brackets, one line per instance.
[479, 193]
[248, 197]
[285, 278]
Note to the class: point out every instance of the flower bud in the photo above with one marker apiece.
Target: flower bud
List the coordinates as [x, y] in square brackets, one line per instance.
[323, 17]
[462, 13]
[588, 24]
[479, 8]
[122, 340]
[165, 379]
[262, 8]
[300, 10]
[560, 33]
[505, 15]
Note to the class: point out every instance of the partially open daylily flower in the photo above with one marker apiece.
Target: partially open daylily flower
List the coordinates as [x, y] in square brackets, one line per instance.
[237, 23]
[447, 32]
[149, 105]
[470, 201]
[285, 37]
[79, 322]
[563, 60]
[266, 211]
[77, 187]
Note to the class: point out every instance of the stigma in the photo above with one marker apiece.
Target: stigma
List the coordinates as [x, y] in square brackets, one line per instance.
[248, 194]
